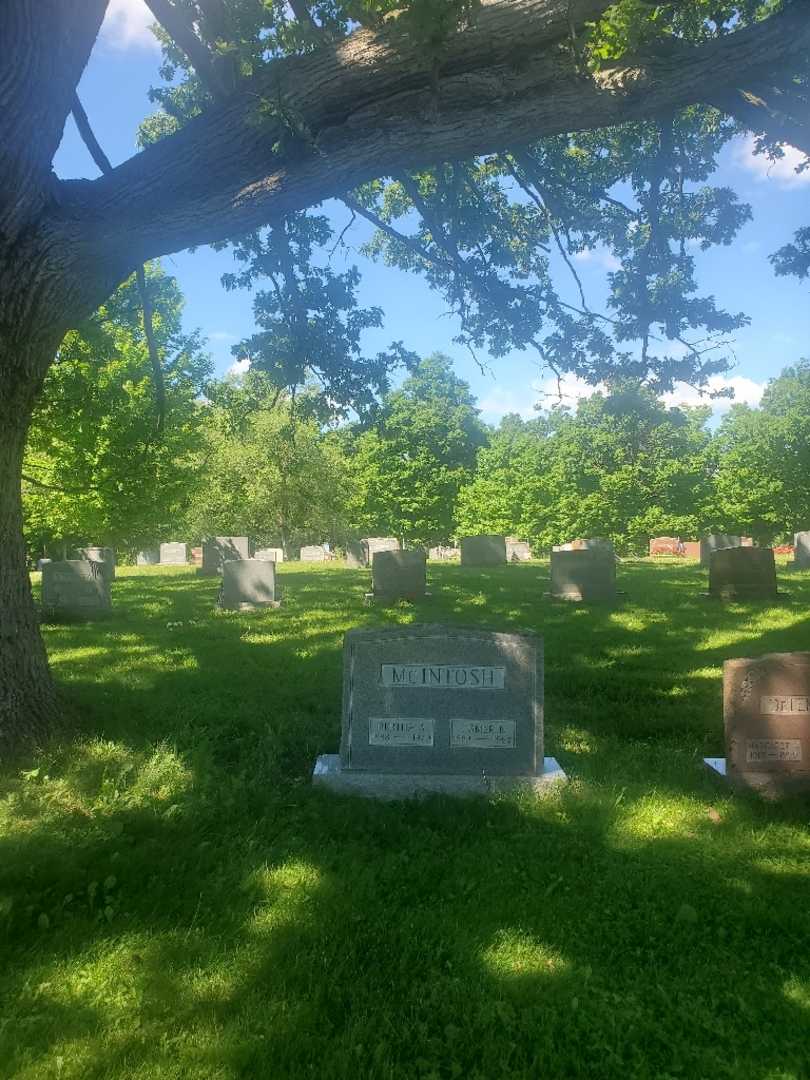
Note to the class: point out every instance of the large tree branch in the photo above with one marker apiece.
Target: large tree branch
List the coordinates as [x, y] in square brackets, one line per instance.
[45, 46]
[175, 23]
[767, 109]
[322, 123]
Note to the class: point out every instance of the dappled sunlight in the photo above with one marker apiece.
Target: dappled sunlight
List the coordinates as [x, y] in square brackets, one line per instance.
[657, 817]
[514, 953]
[284, 894]
[797, 992]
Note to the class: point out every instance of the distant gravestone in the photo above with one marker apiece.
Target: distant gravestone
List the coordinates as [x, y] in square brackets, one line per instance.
[801, 554]
[41, 563]
[196, 556]
[517, 550]
[439, 708]
[313, 553]
[444, 553]
[483, 550]
[269, 554]
[583, 574]
[717, 542]
[766, 711]
[664, 545]
[248, 584]
[380, 543]
[173, 554]
[103, 555]
[356, 554]
[78, 588]
[148, 557]
[219, 549]
[742, 573]
[398, 575]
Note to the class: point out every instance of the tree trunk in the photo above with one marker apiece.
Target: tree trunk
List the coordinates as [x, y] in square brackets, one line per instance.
[28, 704]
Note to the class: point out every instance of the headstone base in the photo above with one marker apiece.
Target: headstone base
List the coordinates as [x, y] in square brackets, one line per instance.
[577, 598]
[329, 773]
[769, 785]
[377, 598]
[248, 607]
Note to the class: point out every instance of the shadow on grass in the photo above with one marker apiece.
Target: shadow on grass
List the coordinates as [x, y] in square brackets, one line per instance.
[178, 901]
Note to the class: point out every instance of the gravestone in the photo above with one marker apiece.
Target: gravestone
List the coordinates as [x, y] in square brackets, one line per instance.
[517, 550]
[196, 556]
[766, 714]
[664, 545]
[248, 584]
[380, 543]
[439, 708]
[148, 557]
[313, 553]
[173, 554]
[717, 542]
[801, 553]
[103, 555]
[444, 553]
[742, 573]
[483, 550]
[583, 574]
[269, 554]
[219, 549]
[356, 554]
[398, 575]
[42, 562]
[78, 588]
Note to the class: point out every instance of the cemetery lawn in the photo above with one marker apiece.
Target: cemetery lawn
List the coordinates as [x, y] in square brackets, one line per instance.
[177, 901]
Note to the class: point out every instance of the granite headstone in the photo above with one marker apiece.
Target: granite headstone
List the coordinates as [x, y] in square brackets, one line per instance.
[103, 555]
[148, 557]
[584, 574]
[742, 573]
[485, 550]
[269, 554]
[517, 550]
[248, 584]
[356, 554]
[717, 542]
[380, 543]
[398, 575]
[801, 554]
[313, 553]
[173, 554]
[76, 588]
[218, 549]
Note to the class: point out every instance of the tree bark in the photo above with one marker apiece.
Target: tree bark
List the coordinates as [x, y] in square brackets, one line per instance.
[28, 706]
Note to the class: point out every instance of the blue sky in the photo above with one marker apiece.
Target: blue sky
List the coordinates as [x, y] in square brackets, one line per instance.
[114, 92]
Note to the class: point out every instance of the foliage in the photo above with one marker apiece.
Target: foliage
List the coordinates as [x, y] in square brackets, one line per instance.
[177, 900]
[623, 466]
[266, 471]
[96, 468]
[406, 471]
[763, 460]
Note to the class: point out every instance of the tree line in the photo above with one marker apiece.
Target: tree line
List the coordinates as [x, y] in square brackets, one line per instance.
[239, 455]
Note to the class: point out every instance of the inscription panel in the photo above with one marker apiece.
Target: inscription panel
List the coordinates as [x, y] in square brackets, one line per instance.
[785, 705]
[443, 676]
[483, 734]
[402, 731]
[771, 750]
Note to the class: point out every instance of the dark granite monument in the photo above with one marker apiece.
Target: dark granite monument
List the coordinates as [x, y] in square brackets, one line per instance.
[248, 584]
[218, 549]
[483, 550]
[398, 575]
[76, 588]
[742, 573]
[439, 708]
[583, 574]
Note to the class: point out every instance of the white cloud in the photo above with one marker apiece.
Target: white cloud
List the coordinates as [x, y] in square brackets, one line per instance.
[239, 367]
[782, 172]
[599, 257]
[222, 335]
[126, 26]
[500, 401]
[746, 391]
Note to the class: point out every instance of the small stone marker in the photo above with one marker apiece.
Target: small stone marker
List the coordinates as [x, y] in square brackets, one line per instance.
[103, 555]
[742, 573]
[76, 587]
[584, 574]
[148, 557]
[269, 555]
[483, 550]
[173, 554]
[196, 556]
[439, 708]
[398, 575]
[248, 584]
[801, 554]
[313, 553]
[356, 554]
[219, 549]
[517, 550]
[444, 553]
[766, 711]
[380, 543]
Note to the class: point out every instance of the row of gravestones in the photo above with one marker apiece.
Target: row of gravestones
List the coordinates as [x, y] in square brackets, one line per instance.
[702, 549]
[460, 710]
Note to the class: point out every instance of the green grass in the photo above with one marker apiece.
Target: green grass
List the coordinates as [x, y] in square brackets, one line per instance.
[177, 901]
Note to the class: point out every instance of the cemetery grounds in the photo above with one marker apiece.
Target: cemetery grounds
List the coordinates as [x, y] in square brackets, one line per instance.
[176, 900]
